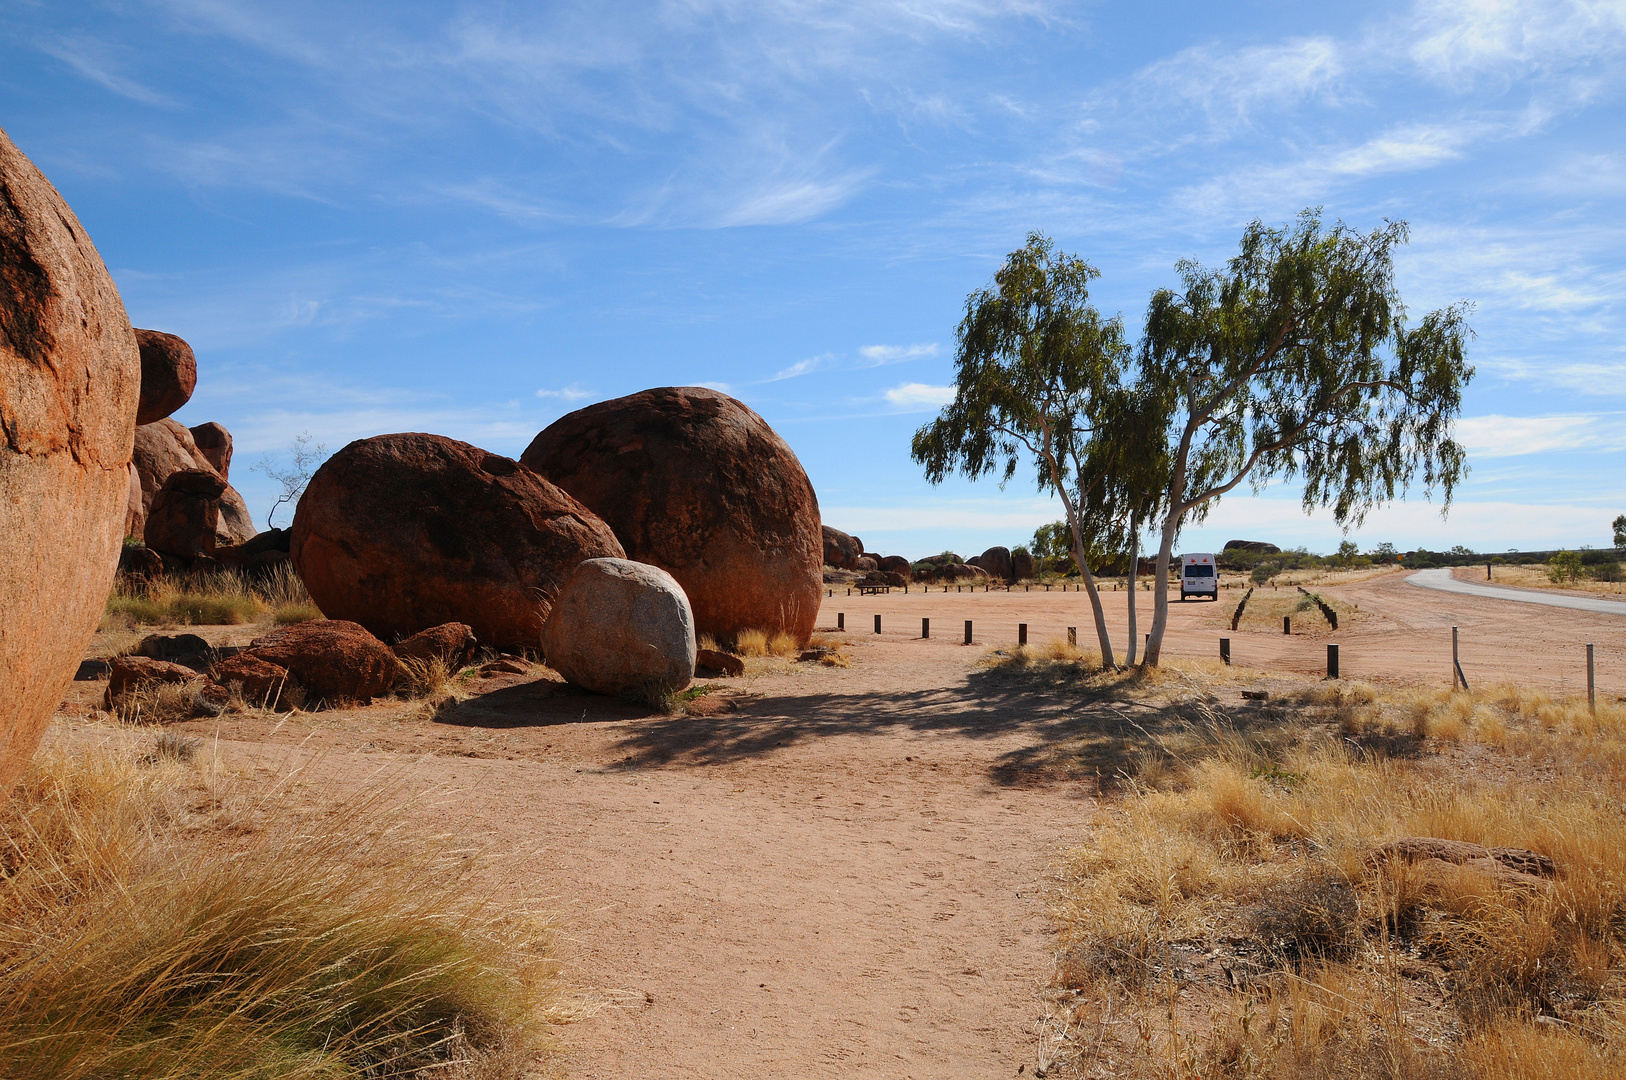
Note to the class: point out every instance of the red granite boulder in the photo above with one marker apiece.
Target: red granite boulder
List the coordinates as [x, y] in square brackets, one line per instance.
[697, 484]
[332, 659]
[840, 550]
[997, 562]
[132, 672]
[214, 444]
[897, 564]
[259, 680]
[165, 448]
[404, 532]
[187, 517]
[452, 643]
[70, 382]
[169, 374]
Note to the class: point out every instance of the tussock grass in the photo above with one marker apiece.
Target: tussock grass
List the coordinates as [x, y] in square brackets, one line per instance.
[759, 643]
[343, 947]
[1239, 871]
[216, 598]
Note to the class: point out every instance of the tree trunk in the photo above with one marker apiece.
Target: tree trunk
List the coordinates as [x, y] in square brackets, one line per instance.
[1134, 567]
[1101, 634]
[1165, 548]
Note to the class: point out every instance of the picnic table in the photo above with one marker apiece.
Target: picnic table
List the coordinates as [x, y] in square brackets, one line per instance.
[873, 590]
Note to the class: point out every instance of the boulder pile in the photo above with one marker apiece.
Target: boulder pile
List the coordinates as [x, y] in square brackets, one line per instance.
[324, 662]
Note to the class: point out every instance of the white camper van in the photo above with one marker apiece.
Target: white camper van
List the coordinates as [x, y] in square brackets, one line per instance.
[1197, 577]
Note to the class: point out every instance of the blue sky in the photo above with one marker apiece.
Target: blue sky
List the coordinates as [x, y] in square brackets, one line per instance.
[471, 218]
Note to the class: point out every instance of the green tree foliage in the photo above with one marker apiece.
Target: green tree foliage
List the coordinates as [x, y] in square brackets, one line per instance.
[1294, 361]
[1619, 525]
[1564, 566]
[1038, 376]
[1348, 552]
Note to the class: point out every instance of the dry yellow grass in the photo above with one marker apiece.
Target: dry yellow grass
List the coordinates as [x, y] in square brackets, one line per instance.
[1252, 855]
[1535, 576]
[326, 945]
[757, 643]
[218, 598]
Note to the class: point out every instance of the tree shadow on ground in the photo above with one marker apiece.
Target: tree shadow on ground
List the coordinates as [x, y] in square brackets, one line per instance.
[536, 703]
[1077, 730]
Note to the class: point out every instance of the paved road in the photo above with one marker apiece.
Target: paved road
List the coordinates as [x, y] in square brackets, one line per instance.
[1442, 580]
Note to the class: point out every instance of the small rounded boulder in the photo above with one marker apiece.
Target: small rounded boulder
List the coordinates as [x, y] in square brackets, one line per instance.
[619, 625]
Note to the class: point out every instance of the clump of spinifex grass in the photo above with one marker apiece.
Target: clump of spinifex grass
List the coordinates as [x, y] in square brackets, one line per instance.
[211, 598]
[348, 949]
[1246, 882]
[761, 643]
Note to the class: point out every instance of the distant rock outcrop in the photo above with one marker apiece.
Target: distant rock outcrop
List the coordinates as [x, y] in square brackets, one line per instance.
[1258, 546]
[619, 626]
[70, 384]
[840, 550]
[997, 561]
[897, 564]
[165, 448]
[169, 374]
[697, 484]
[403, 532]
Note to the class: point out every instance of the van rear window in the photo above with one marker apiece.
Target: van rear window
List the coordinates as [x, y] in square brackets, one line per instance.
[1199, 571]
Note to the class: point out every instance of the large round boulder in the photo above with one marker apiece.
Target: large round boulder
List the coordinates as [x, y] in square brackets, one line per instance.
[997, 561]
[70, 381]
[334, 660]
[403, 532]
[169, 374]
[619, 626]
[897, 564]
[1022, 564]
[165, 448]
[840, 550]
[694, 482]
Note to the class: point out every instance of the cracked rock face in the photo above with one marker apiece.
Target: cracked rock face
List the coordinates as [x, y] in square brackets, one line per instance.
[70, 382]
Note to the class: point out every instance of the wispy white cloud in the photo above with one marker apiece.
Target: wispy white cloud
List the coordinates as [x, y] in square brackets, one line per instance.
[573, 392]
[915, 396]
[1514, 436]
[95, 60]
[1455, 41]
[878, 355]
[821, 362]
[1229, 87]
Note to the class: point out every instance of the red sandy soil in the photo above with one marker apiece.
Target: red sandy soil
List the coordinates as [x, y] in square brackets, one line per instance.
[838, 871]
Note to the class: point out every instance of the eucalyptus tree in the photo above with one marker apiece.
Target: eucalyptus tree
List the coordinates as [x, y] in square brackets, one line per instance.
[1036, 371]
[1295, 361]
